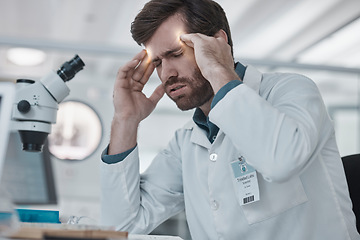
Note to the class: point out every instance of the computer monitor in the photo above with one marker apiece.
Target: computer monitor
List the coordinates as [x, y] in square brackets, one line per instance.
[28, 176]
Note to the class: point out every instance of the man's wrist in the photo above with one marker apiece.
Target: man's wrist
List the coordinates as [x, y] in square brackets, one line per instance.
[220, 80]
[224, 90]
[123, 136]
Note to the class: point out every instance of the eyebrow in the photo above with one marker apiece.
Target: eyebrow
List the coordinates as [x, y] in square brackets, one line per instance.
[167, 53]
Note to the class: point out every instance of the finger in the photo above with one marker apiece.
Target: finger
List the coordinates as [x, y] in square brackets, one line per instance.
[157, 94]
[140, 55]
[192, 38]
[141, 69]
[126, 71]
[187, 39]
[137, 86]
[131, 65]
[147, 74]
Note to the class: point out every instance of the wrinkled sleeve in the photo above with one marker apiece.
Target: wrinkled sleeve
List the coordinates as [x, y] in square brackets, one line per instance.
[139, 203]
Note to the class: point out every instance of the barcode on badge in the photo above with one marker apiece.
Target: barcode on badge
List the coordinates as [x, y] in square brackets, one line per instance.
[248, 199]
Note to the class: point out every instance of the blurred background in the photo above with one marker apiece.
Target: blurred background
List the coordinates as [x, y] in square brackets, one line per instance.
[320, 39]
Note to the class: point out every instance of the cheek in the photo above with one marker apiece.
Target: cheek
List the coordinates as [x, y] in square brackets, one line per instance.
[186, 66]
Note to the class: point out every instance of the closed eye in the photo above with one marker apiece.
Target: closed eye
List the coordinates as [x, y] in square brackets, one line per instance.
[157, 63]
[178, 54]
[173, 53]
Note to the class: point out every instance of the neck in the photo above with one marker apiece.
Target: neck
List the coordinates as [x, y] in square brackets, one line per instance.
[206, 107]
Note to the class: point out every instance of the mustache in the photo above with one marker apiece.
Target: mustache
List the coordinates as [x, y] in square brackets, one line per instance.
[173, 80]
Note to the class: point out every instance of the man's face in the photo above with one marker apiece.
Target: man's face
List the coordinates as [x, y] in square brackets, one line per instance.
[176, 66]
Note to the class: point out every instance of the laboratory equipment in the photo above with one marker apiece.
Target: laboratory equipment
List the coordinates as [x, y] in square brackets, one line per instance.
[36, 103]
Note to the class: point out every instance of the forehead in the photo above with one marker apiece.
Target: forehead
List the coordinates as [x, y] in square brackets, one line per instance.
[166, 37]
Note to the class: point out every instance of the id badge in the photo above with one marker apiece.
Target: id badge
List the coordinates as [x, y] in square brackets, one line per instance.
[246, 181]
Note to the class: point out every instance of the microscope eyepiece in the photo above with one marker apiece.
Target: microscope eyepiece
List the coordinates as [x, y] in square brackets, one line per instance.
[68, 70]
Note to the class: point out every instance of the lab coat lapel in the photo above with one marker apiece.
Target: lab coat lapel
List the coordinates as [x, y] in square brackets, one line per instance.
[199, 137]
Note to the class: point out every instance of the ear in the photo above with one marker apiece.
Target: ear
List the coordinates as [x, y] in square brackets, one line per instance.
[222, 34]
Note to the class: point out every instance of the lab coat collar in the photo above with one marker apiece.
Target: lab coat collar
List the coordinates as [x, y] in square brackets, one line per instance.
[197, 134]
[252, 78]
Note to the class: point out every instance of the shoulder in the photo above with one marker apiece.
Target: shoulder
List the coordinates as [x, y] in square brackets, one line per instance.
[286, 78]
[286, 82]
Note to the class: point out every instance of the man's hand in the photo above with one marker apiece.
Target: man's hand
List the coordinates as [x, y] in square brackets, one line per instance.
[213, 57]
[130, 103]
[129, 100]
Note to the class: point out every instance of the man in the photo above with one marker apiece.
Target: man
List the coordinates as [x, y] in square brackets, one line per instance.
[258, 161]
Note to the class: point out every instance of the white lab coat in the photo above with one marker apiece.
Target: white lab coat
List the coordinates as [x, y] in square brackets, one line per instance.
[279, 123]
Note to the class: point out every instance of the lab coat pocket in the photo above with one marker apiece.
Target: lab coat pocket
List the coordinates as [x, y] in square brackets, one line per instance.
[275, 198]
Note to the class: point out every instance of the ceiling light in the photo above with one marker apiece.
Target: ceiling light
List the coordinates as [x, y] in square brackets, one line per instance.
[26, 56]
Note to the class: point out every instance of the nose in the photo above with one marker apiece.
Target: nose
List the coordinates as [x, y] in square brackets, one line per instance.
[167, 71]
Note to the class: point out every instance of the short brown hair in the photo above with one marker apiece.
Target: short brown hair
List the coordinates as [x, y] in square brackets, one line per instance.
[200, 16]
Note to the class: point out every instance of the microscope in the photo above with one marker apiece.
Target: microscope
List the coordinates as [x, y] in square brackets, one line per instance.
[36, 104]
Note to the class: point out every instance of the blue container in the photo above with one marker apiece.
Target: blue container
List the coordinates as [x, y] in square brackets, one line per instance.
[40, 216]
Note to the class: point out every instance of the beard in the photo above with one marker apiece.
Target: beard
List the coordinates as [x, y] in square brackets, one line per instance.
[201, 91]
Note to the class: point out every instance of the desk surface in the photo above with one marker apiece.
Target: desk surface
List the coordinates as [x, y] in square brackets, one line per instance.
[152, 237]
[39, 230]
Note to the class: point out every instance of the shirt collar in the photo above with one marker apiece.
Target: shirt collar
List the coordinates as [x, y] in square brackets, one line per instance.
[240, 70]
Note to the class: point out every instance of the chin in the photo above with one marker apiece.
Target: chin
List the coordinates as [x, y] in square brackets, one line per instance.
[184, 105]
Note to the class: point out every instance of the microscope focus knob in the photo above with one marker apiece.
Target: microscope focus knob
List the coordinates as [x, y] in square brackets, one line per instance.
[23, 106]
